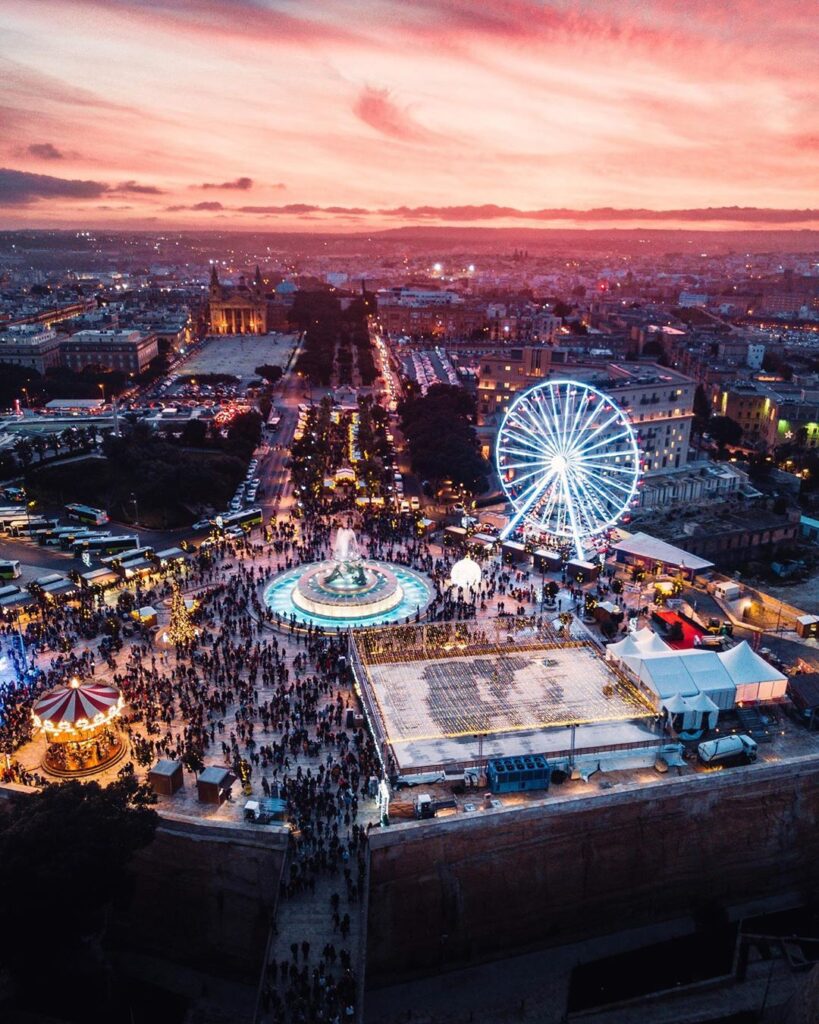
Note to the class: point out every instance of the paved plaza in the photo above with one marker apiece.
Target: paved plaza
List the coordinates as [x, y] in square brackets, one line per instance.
[239, 355]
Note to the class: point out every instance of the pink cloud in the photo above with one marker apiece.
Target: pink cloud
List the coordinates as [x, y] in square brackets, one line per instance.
[376, 108]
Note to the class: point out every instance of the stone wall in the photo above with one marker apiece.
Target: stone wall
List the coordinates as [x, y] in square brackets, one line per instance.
[449, 892]
[204, 895]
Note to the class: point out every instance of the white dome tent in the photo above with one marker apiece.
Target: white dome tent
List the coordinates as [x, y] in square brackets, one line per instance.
[465, 573]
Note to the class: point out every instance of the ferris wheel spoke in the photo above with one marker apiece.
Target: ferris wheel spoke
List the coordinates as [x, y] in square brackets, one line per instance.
[563, 400]
[575, 425]
[595, 431]
[614, 506]
[616, 486]
[527, 437]
[588, 449]
[546, 514]
[592, 497]
[589, 510]
[523, 504]
[599, 465]
[571, 514]
[531, 446]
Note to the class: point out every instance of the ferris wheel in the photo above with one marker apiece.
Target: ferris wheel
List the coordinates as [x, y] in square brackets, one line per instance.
[568, 460]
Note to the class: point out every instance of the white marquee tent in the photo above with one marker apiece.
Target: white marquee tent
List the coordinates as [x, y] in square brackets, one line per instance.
[754, 678]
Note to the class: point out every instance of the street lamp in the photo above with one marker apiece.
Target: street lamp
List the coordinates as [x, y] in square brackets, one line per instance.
[101, 386]
[136, 508]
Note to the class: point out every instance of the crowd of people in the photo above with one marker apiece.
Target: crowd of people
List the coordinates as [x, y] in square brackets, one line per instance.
[275, 705]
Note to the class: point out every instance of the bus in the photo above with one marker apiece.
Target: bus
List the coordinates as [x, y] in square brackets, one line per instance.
[86, 514]
[10, 514]
[9, 570]
[110, 545]
[67, 540]
[28, 526]
[247, 518]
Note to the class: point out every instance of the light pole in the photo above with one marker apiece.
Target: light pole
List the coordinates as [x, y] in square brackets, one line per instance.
[136, 508]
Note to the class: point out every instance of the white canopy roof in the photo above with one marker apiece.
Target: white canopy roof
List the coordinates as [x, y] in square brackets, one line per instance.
[702, 702]
[625, 646]
[649, 642]
[746, 666]
[675, 704]
[643, 545]
[687, 673]
[667, 676]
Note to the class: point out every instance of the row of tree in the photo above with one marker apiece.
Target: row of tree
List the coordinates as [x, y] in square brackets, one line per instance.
[442, 441]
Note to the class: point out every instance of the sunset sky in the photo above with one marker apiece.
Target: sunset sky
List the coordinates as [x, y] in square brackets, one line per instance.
[356, 114]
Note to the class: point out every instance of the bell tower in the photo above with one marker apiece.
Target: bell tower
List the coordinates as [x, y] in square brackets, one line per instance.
[215, 287]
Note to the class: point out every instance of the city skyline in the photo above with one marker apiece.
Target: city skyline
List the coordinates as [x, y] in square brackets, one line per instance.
[334, 116]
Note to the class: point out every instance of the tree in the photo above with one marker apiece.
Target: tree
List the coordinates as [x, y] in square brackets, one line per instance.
[194, 434]
[245, 432]
[24, 451]
[702, 409]
[181, 630]
[65, 836]
[272, 374]
[12, 381]
[441, 438]
[725, 430]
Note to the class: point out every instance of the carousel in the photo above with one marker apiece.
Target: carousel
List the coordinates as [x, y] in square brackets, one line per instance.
[78, 721]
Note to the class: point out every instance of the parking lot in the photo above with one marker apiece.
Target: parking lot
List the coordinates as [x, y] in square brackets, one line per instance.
[238, 355]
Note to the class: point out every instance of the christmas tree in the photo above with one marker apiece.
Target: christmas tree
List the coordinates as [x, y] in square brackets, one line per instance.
[181, 629]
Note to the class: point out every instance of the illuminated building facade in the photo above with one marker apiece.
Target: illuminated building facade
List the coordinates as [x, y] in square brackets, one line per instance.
[241, 310]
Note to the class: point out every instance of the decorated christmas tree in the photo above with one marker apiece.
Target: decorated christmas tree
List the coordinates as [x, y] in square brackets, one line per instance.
[181, 629]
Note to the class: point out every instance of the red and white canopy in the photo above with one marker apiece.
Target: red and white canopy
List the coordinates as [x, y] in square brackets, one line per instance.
[77, 706]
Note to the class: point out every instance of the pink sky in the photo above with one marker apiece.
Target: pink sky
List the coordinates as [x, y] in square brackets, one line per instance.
[351, 114]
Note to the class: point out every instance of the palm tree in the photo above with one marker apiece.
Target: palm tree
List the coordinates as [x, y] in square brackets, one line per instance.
[40, 446]
[24, 451]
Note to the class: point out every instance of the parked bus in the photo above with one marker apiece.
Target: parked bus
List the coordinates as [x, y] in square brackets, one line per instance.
[11, 514]
[67, 540]
[9, 570]
[30, 525]
[246, 518]
[86, 514]
[110, 545]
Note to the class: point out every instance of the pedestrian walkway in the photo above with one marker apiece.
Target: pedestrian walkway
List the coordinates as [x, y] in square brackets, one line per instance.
[316, 954]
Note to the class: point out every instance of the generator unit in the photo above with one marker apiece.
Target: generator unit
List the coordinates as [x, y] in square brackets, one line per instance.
[513, 774]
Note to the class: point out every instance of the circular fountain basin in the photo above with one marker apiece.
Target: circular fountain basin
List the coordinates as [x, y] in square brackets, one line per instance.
[386, 594]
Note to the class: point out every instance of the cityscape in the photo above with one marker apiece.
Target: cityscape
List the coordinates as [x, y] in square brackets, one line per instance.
[409, 512]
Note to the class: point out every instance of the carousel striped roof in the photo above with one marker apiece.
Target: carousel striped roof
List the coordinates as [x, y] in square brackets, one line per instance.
[74, 703]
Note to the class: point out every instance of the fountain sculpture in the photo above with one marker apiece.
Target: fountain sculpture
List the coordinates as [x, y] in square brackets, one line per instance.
[347, 589]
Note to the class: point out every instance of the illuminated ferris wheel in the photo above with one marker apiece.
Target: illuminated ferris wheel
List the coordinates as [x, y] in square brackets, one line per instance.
[568, 459]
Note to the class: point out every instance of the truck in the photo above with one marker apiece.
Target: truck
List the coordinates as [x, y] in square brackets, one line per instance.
[726, 750]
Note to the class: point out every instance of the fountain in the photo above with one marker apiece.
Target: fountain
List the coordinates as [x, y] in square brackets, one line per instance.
[347, 589]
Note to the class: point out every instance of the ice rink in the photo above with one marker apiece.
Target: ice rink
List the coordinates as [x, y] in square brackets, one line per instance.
[519, 701]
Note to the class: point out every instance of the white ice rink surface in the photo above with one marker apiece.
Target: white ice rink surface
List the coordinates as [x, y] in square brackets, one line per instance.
[522, 701]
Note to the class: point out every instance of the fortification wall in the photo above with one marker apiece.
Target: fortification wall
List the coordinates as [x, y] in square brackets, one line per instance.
[205, 895]
[459, 890]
